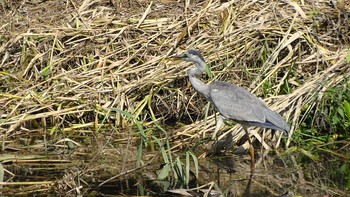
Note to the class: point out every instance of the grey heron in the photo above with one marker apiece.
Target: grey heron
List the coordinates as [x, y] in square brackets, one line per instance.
[232, 102]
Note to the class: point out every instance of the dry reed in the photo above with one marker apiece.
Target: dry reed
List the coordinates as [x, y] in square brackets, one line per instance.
[63, 71]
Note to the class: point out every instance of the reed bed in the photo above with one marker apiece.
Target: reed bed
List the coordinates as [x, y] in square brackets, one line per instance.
[68, 66]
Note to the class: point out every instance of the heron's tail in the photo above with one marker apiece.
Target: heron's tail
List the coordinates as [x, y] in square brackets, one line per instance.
[277, 122]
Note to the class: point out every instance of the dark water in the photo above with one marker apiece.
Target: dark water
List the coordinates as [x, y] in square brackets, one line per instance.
[288, 174]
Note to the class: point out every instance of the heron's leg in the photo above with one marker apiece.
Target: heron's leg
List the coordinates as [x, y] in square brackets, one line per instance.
[251, 150]
[219, 122]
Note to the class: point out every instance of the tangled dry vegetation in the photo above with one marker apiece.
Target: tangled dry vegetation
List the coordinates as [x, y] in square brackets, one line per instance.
[65, 64]
[64, 68]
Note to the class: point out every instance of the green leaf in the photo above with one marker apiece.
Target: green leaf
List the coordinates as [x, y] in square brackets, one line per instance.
[46, 71]
[309, 154]
[348, 56]
[165, 172]
[348, 182]
[141, 190]
[347, 109]
[53, 129]
[344, 168]
[208, 71]
[341, 112]
[335, 120]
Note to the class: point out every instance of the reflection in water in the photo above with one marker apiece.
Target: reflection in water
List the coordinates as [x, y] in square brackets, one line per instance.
[281, 175]
[275, 175]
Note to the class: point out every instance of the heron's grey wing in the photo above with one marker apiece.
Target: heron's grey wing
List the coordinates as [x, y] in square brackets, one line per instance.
[236, 103]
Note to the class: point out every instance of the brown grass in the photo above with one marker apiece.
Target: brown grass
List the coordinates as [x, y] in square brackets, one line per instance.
[65, 64]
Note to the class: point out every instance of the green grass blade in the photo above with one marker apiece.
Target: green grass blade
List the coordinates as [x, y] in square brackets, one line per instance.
[140, 107]
[125, 113]
[187, 169]
[179, 171]
[347, 109]
[139, 155]
[195, 161]
[142, 131]
[162, 149]
[309, 154]
[167, 144]
[208, 71]
[149, 103]
[129, 116]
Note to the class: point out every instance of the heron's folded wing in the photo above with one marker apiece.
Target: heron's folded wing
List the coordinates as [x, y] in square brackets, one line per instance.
[236, 103]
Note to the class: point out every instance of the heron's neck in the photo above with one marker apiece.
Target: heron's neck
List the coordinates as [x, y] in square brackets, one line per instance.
[198, 70]
[194, 74]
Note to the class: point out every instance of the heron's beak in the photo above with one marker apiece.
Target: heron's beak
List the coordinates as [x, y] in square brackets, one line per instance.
[177, 57]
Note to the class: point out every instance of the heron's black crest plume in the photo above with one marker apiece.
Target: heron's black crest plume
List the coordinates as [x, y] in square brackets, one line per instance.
[195, 52]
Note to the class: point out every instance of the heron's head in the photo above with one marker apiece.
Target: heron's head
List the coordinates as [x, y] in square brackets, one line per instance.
[191, 55]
